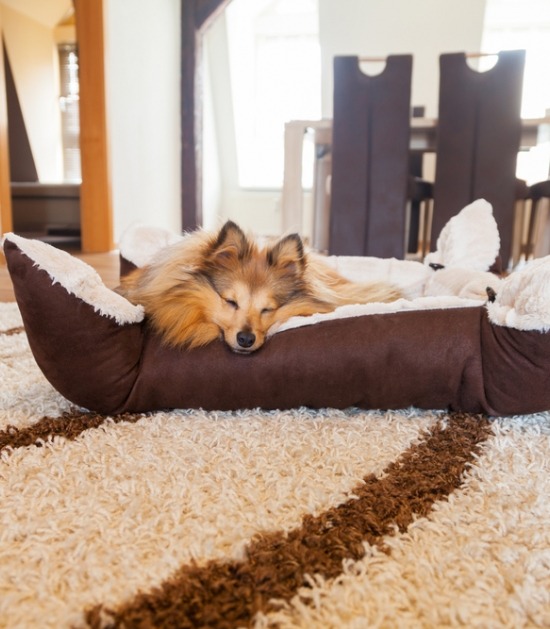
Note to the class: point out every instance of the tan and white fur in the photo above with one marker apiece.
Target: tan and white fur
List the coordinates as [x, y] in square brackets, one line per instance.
[227, 285]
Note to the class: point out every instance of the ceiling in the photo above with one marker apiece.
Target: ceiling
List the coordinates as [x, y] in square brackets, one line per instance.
[47, 12]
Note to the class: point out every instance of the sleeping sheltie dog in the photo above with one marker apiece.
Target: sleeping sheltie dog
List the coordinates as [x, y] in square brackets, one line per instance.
[225, 284]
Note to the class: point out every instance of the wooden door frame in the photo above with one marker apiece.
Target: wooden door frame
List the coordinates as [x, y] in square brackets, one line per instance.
[6, 223]
[96, 212]
[96, 216]
[196, 17]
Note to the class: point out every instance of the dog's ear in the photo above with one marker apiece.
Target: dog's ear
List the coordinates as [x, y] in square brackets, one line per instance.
[288, 254]
[231, 243]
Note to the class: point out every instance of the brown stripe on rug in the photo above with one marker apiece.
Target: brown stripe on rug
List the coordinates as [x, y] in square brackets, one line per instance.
[228, 594]
[69, 425]
[12, 331]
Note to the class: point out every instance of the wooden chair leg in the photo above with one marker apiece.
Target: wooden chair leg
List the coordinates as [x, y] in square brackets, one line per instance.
[531, 229]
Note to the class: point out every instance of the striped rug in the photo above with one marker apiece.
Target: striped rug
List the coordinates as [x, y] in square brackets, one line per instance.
[295, 519]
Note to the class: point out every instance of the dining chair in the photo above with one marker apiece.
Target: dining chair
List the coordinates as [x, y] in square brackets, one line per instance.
[533, 228]
[478, 139]
[420, 194]
[370, 158]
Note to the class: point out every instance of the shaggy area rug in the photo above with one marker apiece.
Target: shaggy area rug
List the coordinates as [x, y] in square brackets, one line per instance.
[300, 519]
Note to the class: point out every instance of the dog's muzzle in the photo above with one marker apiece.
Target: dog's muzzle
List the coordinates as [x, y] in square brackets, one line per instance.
[246, 339]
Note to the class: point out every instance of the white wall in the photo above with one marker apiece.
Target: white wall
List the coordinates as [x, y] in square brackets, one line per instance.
[142, 42]
[256, 210]
[211, 173]
[31, 50]
[424, 28]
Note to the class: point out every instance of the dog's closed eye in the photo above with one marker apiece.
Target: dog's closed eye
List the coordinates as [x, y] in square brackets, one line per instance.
[232, 303]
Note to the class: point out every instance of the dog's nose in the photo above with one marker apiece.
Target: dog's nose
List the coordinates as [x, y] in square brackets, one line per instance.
[246, 339]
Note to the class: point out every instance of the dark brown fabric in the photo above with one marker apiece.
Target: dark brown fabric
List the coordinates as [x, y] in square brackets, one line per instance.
[370, 158]
[89, 359]
[126, 266]
[516, 369]
[428, 360]
[438, 359]
[227, 594]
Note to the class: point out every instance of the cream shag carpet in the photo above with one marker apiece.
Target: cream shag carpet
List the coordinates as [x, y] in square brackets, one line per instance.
[304, 519]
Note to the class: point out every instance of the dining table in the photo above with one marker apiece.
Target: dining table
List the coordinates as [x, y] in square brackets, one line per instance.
[423, 140]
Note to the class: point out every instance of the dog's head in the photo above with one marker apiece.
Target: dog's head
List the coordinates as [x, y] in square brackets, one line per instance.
[255, 285]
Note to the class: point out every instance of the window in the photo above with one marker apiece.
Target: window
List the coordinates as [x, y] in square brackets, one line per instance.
[69, 104]
[275, 64]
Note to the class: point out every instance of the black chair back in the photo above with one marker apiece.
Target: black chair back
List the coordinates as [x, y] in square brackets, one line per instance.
[478, 139]
[370, 158]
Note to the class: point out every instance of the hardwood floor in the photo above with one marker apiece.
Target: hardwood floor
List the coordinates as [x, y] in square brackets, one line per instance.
[106, 264]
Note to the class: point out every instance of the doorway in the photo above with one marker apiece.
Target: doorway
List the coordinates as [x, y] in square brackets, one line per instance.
[95, 214]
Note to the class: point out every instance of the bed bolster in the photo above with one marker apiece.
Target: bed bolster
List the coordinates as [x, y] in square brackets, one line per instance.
[428, 359]
[516, 369]
[89, 358]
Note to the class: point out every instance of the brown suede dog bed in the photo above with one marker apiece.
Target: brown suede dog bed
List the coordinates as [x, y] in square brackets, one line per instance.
[97, 350]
